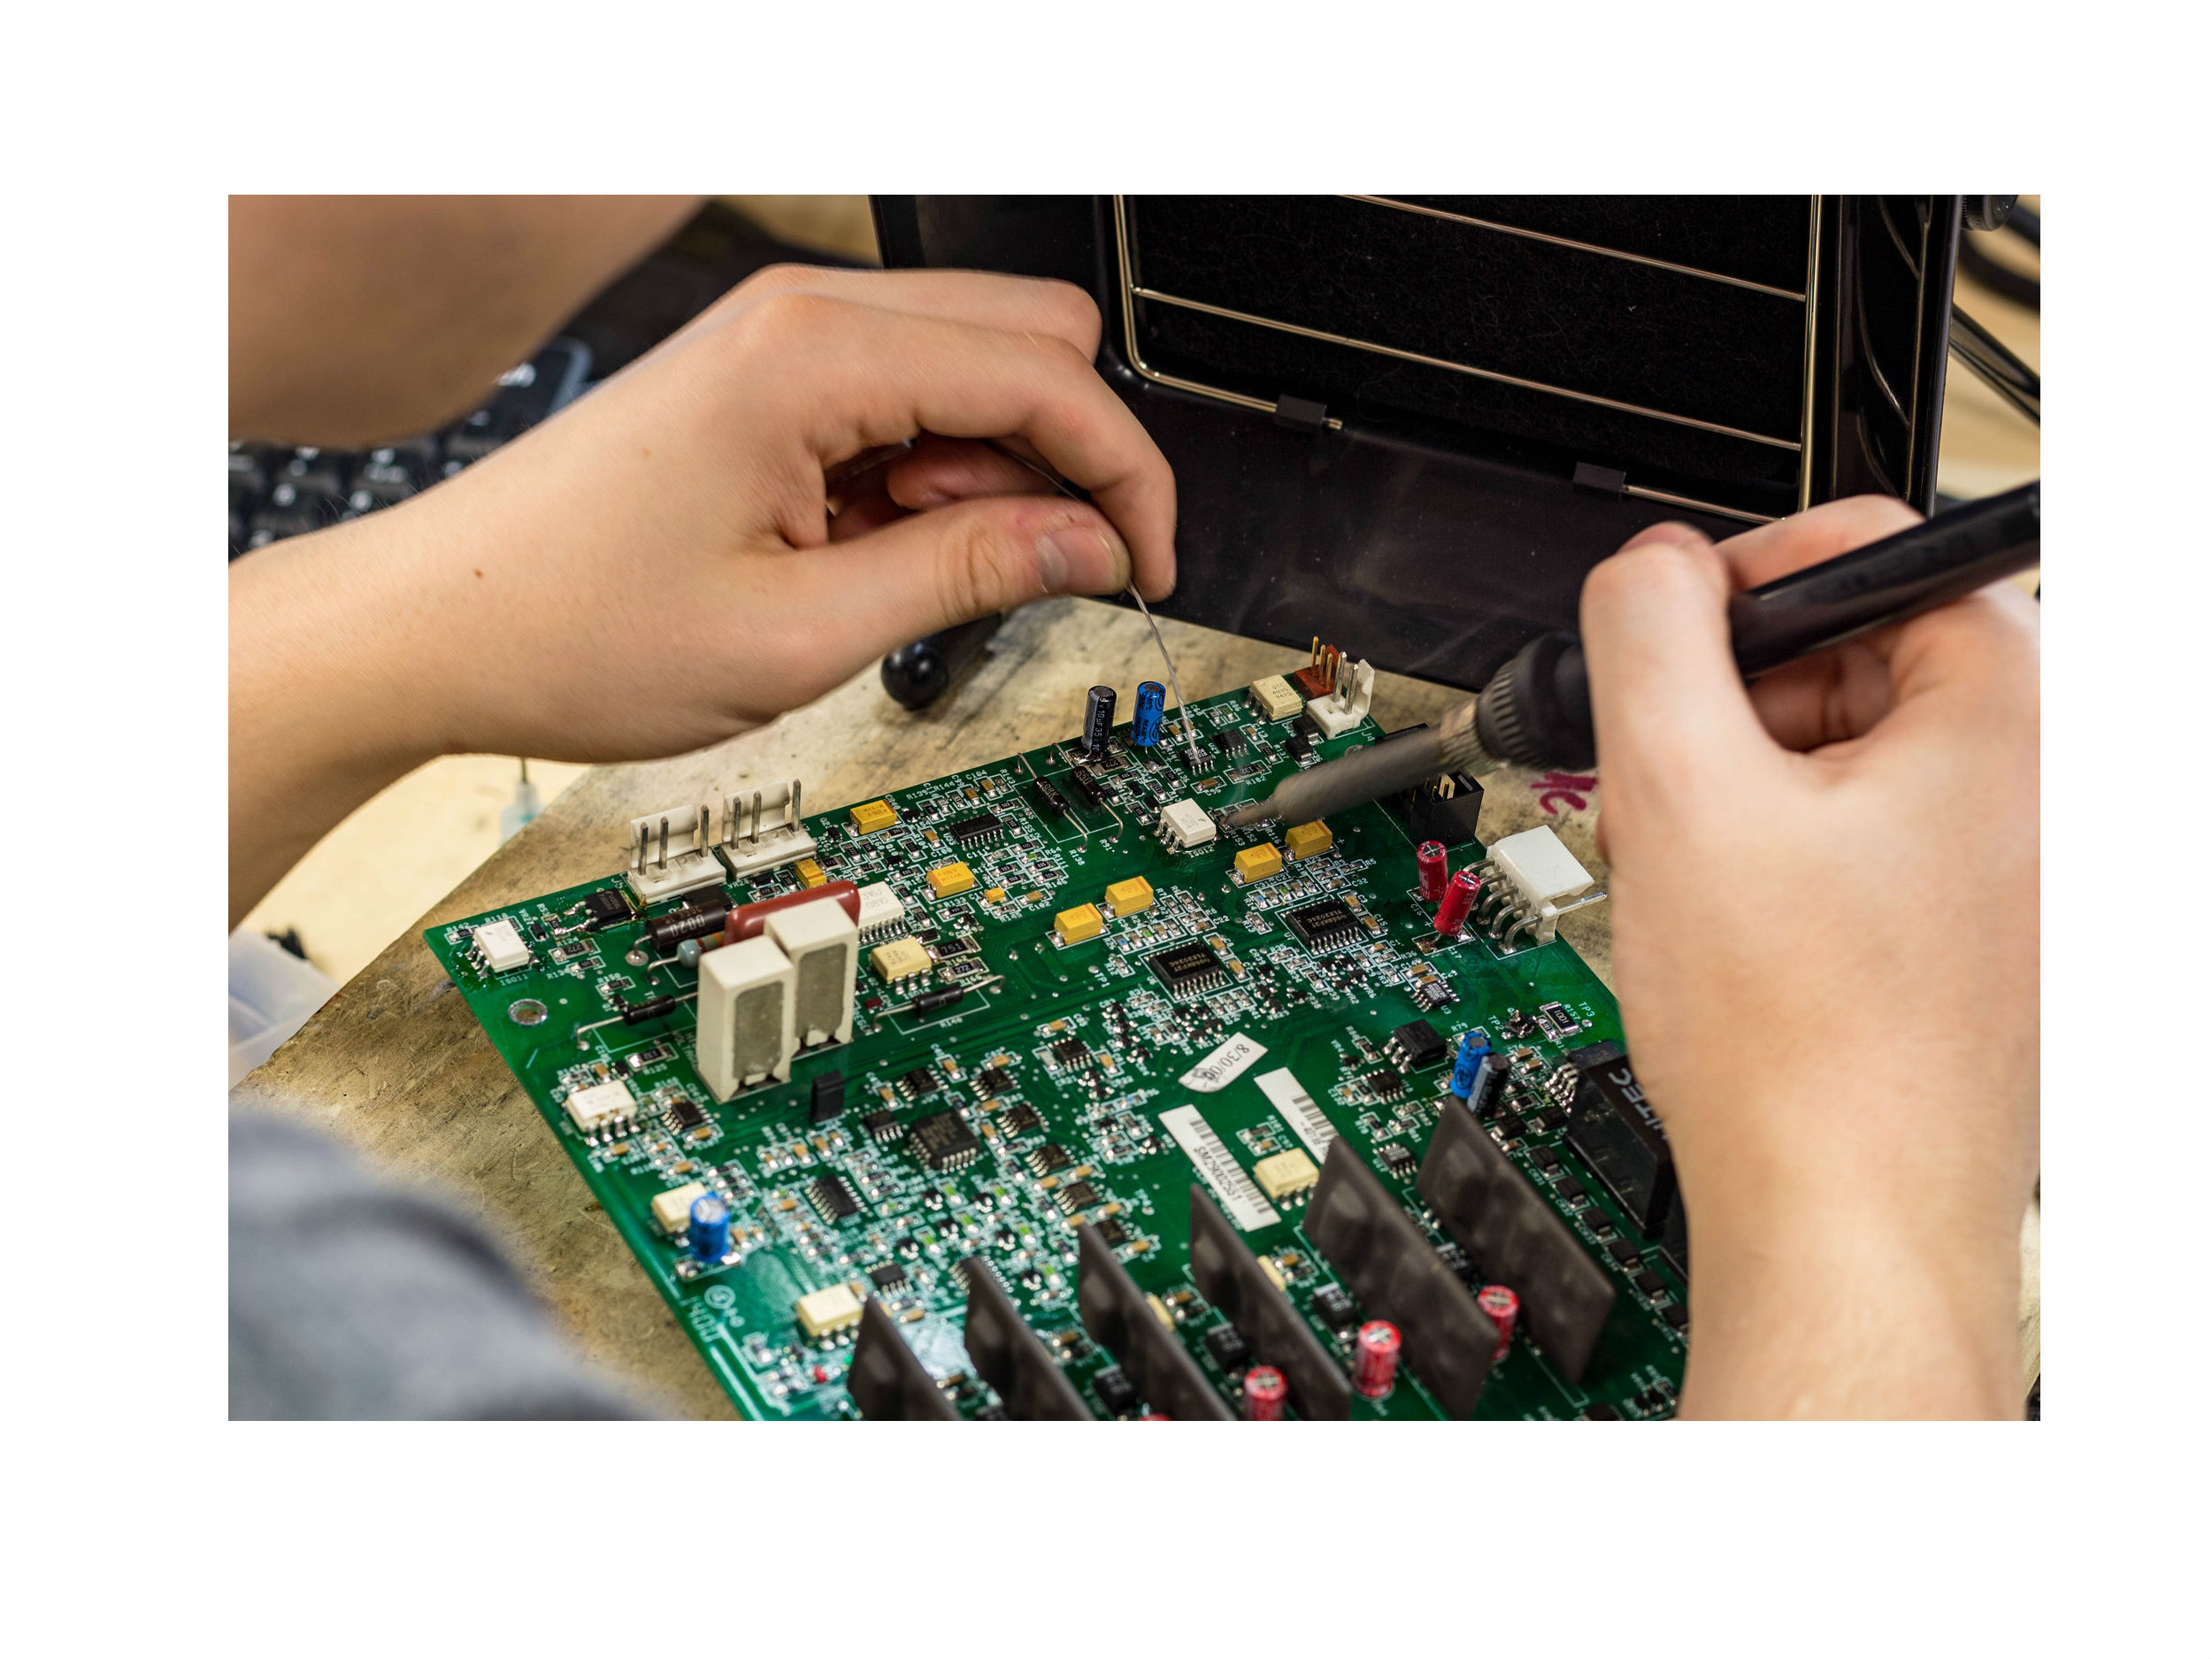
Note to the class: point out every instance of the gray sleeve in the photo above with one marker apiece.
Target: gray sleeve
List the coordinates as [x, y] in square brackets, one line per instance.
[354, 1297]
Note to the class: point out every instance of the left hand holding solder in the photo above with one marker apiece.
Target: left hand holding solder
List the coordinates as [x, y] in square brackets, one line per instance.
[726, 530]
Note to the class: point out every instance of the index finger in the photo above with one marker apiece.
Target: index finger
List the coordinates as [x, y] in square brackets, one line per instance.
[844, 377]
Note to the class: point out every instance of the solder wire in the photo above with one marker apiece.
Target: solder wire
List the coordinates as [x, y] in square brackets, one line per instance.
[1190, 732]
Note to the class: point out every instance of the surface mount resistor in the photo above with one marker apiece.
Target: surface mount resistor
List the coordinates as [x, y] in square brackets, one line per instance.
[1436, 869]
[1459, 897]
[1144, 718]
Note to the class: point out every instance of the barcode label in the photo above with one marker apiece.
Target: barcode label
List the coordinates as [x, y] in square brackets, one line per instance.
[1298, 1110]
[1246, 1205]
[1224, 1066]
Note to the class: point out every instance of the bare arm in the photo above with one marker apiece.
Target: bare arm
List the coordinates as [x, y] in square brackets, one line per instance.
[356, 318]
[1825, 900]
[668, 562]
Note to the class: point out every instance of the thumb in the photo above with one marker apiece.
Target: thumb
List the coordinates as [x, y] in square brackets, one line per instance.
[952, 564]
[1665, 696]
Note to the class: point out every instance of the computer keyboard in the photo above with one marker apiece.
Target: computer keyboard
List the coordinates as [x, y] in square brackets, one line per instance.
[276, 491]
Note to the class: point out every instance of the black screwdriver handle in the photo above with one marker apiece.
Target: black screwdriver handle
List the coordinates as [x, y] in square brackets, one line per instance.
[1535, 711]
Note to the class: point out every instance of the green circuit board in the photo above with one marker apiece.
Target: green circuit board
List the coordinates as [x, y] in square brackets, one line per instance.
[1070, 1063]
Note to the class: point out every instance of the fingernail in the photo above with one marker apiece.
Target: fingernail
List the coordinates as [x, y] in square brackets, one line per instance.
[1078, 559]
[1669, 533]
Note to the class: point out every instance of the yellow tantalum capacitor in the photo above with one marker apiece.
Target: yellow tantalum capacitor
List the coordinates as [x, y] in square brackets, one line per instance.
[1304, 841]
[947, 879]
[870, 816]
[1080, 924]
[1127, 898]
[1256, 863]
[994, 895]
[809, 872]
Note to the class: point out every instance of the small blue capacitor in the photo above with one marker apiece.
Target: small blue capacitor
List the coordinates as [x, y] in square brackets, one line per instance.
[709, 1232]
[1144, 725]
[1468, 1067]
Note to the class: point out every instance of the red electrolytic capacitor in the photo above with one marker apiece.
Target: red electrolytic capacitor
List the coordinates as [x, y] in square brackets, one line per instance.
[1503, 1306]
[1436, 869]
[1459, 898]
[747, 919]
[1265, 1392]
[1375, 1358]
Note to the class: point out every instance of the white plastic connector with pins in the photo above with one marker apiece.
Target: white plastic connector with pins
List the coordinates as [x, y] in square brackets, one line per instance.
[1530, 874]
[1348, 702]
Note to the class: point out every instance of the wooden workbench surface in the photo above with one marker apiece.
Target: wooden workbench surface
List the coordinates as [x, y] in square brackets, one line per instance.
[395, 1065]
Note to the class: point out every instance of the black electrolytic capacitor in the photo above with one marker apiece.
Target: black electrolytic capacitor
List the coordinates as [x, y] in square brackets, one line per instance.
[1098, 720]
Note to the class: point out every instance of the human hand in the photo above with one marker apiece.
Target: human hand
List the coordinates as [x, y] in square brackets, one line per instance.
[720, 532]
[1825, 928]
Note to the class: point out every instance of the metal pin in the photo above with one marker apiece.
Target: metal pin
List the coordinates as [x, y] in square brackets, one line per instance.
[702, 832]
[756, 818]
[663, 859]
[793, 821]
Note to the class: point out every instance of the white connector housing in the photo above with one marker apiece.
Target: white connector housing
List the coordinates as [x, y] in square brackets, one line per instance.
[881, 910]
[746, 993]
[762, 828]
[1540, 873]
[1347, 705]
[824, 947]
[603, 1103]
[1183, 824]
[500, 947]
[673, 852]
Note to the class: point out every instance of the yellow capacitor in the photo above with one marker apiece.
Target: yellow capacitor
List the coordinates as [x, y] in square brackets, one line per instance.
[870, 816]
[1127, 898]
[995, 894]
[1256, 863]
[1304, 841]
[947, 879]
[809, 872]
[1080, 924]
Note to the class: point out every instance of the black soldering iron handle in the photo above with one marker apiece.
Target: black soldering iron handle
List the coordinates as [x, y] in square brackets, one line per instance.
[1535, 711]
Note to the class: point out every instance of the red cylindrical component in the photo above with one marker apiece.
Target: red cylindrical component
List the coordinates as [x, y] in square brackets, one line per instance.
[1375, 1358]
[1265, 1392]
[1459, 898]
[1436, 869]
[1503, 1306]
[747, 919]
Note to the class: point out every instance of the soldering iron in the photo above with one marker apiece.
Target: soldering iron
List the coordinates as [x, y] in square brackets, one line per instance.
[1534, 712]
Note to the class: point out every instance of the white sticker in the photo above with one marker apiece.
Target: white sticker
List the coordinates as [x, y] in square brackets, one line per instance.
[1224, 1066]
[1246, 1205]
[1298, 1110]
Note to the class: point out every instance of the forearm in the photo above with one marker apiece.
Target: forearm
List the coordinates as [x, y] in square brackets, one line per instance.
[334, 668]
[359, 318]
[1844, 1312]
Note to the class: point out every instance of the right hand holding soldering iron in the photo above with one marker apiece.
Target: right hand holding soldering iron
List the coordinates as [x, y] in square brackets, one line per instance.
[1825, 893]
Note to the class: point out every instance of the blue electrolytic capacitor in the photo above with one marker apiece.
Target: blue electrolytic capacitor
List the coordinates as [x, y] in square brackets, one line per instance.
[1144, 723]
[1472, 1047]
[709, 1232]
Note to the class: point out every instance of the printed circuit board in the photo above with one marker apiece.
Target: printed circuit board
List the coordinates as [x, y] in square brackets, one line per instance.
[1178, 1095]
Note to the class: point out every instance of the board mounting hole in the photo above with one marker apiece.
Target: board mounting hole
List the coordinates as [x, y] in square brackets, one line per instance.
[528, 1011]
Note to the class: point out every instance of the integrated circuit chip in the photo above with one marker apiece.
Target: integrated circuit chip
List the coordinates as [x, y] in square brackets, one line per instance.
[889, 1276]
[1048, 1157]
[833, 1198]
[1113, 1232]
[1077, 1195]
[1318, 927]
[1415, 1045]
[918, 1082]
[1285, 1173]
[942, 1141]
[882, 1126]
[993, 1080]
[1022, 1120]
[982, 827]
[1071, 1051]
[1187, 968]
